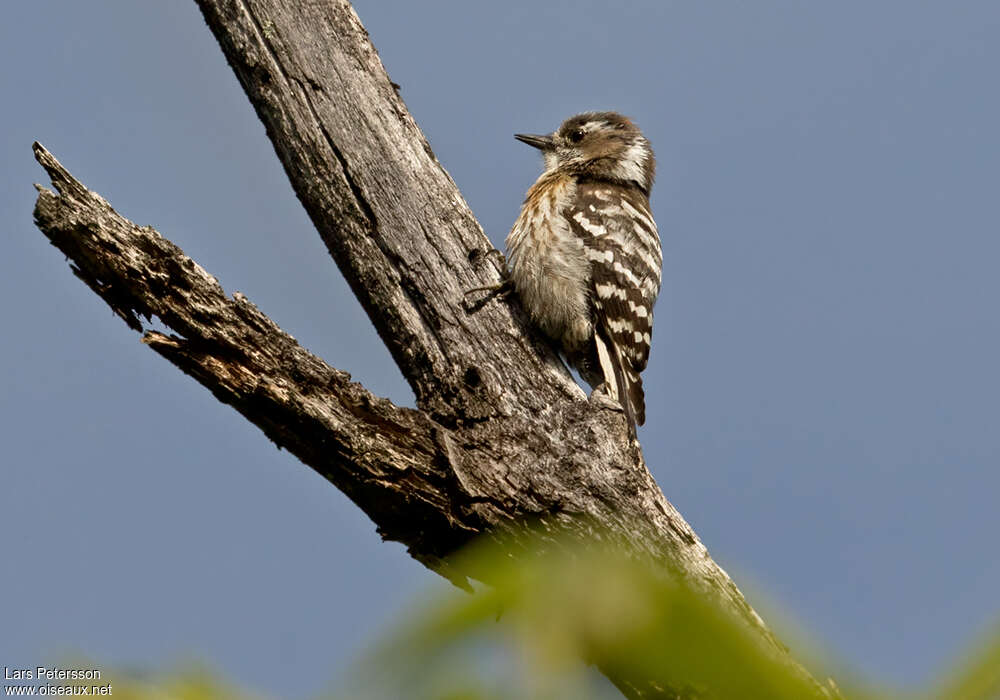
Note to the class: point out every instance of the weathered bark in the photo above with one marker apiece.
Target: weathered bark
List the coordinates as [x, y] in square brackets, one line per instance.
[502, 434]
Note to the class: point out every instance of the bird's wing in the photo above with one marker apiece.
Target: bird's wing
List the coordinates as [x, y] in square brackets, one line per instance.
[623, 247]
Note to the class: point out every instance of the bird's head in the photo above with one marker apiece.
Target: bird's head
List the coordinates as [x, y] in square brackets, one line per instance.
[602, 145]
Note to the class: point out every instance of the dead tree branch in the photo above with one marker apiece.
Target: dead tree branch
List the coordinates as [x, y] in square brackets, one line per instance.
[502, 434]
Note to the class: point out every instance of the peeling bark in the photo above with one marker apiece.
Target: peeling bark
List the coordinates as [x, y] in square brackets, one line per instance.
[502, 434]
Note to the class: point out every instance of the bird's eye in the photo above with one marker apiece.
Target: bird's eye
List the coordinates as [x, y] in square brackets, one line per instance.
[576, 136]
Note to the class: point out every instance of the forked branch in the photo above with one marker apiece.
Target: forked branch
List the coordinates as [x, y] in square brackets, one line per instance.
[502, 435]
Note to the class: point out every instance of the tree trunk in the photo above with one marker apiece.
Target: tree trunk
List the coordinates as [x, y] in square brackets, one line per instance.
[502, 434]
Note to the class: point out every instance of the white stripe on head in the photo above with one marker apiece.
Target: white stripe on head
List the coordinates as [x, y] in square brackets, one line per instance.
[632, 164]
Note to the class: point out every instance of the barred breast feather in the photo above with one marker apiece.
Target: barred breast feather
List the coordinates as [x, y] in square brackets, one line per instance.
[548, 265]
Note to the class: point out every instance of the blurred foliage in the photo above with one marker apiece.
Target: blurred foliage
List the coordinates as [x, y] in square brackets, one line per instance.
[524, 636]
[978, 677]
[543, 613]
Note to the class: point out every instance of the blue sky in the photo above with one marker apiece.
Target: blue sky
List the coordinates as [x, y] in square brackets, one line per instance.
[823, 386]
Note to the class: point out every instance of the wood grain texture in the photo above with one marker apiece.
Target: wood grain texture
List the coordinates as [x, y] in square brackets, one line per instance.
[502, 434]
[389, 214]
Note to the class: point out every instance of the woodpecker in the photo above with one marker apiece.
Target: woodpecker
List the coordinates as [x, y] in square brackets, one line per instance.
[584, 254]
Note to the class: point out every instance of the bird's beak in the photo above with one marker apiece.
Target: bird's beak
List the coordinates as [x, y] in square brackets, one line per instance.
[540, 141]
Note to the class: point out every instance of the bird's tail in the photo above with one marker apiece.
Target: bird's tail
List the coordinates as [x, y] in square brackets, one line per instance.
[621, 380]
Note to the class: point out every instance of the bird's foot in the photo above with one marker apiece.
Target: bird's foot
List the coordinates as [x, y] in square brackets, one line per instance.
[494, 291]
[603, 397]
